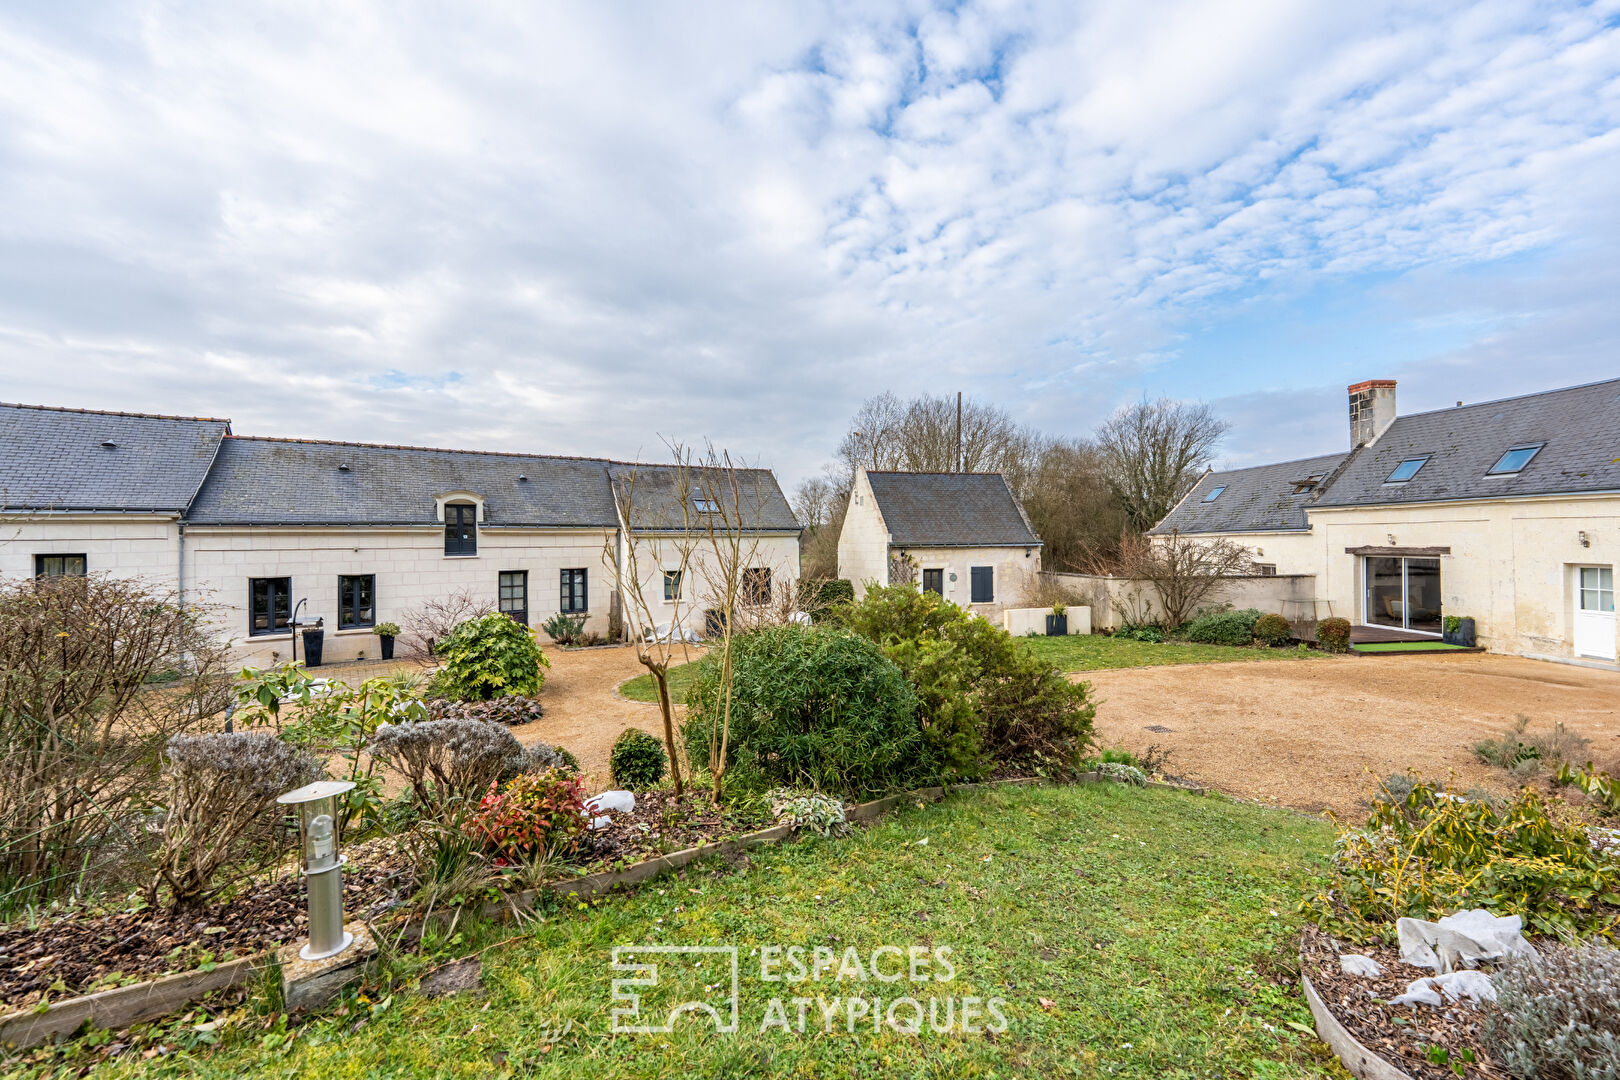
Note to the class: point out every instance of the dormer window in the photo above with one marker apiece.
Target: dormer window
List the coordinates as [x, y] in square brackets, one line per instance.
[460, 529]
[1514, 460]
[1214, 494]
[1406, 470]
[1307, 484]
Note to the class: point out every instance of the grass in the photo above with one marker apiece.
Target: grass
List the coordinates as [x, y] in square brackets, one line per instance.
[1076, 652]
[1408, 646]
[642, 687]
[1130, 933]
[1095, 652]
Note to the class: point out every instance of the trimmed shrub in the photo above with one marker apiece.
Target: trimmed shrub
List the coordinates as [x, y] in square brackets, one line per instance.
[1147, 632]
[638, 760]
[1555, 1017]
[448, 763]
[530, 814]
[488, 657]
[1222, 627]
[1333, 635]
[812, 706]
[1273, 630]
[511, 710]
[222, 788]
[539, 757]
[985, 700]
[818, 596]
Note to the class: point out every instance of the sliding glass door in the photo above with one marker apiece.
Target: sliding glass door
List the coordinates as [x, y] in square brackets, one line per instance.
[1403, 593]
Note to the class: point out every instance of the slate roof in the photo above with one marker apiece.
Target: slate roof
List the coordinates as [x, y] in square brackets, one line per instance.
[1579, 424]
[653, 496]
[1258, 499]
[264, 481]
[951, 510]
[54, 459]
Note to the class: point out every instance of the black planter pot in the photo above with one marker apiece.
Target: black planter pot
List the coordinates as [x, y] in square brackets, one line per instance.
[1463, 635]
[387, 641]
[314, 643]
[1057, 626]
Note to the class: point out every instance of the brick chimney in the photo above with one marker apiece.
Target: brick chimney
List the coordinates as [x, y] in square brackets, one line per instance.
[1372, 410]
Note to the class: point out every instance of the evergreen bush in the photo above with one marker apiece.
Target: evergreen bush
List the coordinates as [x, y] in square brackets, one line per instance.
[1273, 630]
[1222, 627]
[637, 761]
[1333, 635]
[487, 657]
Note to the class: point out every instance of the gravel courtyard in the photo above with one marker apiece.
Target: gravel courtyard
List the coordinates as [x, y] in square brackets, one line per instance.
[1316, 736]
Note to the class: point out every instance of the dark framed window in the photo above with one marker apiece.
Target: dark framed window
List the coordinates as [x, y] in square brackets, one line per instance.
[575, 592]
[934, 582]
[672, 585]
[55, 566]
[269, 605]
[357, 601]
[1514, 460]
[1406, 470]
[756, 585]
[460, 529]
[514, 595]
[984, 584]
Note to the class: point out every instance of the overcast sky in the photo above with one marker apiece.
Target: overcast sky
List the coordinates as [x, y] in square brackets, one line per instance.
[579, 229]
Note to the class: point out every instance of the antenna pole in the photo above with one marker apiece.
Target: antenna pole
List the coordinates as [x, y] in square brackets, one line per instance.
[960, 464]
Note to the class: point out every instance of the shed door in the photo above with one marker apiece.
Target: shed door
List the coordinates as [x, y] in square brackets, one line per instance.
[1594, 612]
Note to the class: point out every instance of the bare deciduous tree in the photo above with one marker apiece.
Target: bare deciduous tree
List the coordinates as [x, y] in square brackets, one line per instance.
[819, 503]
[1186, 573]
[1069, 503]
[1153, 452]
[424, 626]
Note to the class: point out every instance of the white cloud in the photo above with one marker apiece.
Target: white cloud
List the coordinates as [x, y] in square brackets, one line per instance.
[578, 228]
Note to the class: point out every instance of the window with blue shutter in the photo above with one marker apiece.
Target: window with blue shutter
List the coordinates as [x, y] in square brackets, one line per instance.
[984, 584]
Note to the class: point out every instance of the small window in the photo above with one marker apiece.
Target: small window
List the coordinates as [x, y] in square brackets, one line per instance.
[460, 529]
[1215, 493]
[575, 597]
[269, 605]
[756, 585]
[357, 601]
[1265, 569]
[672, 585]
[705, 506]
[984, 584]
[934, 582]
[1406, 470]
[514, 595]
[1514, 460]
[1308, 484]
[55, 566]
[1597, 588]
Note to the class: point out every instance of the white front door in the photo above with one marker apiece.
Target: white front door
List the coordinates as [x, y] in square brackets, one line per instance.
[1594, 612]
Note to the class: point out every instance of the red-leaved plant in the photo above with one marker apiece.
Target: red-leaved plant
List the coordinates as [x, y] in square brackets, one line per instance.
[530, 814]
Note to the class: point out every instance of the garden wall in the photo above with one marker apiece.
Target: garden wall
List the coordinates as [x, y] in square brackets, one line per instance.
[1114, 601]
[1022, 621]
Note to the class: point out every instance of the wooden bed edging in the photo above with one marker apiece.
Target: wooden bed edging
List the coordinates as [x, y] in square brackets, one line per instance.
[126, 1005]
[1361, 1061]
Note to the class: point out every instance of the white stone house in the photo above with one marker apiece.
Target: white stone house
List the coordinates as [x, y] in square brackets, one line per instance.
[962, 535]
[1505, 511]
[351, 533]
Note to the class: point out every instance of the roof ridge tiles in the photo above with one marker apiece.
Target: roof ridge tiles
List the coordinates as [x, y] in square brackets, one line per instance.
[113, 412]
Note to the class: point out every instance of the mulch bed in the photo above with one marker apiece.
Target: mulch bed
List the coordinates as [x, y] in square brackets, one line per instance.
[1394, 1032]
[74, 954]
[661, 824]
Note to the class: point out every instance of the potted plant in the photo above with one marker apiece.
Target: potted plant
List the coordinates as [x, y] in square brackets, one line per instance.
[386, 633]
[314, 643]
[1458, 630]
[1057, 623]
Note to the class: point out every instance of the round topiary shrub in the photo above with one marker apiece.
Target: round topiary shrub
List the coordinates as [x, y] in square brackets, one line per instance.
[1273, 630]
[638, 760]
[488, 657]
[812, 707]
[1333, 634]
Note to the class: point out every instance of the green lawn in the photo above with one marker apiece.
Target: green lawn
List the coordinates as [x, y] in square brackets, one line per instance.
[642, 687]
[1094, 652]
[1408, 646]
[1128, 932]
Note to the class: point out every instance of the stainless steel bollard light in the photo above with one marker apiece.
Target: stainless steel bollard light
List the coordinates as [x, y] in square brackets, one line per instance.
[323, 866]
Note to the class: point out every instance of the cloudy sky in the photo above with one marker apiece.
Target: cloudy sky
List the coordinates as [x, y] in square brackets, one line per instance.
[582, 228]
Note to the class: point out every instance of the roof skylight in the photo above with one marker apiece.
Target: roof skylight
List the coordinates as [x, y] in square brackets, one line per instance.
[1514, 460]
[1215, 494]
[1406, 470]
